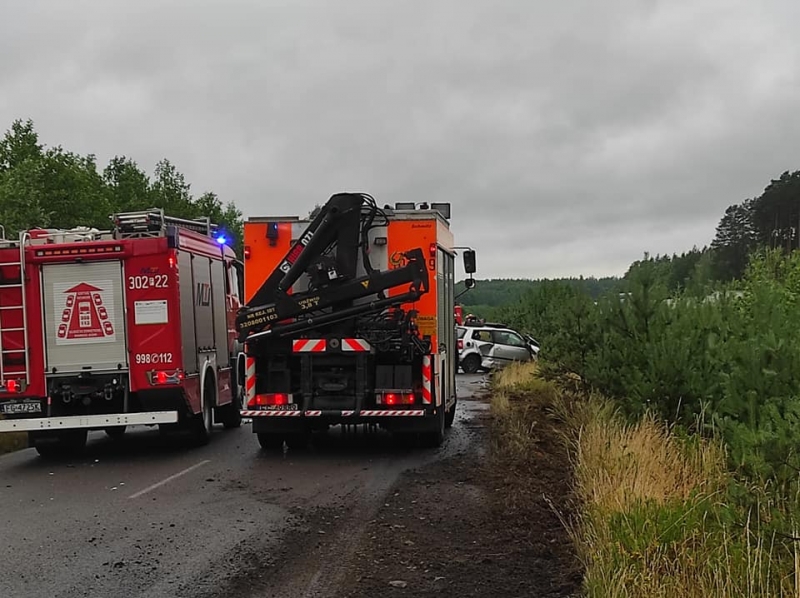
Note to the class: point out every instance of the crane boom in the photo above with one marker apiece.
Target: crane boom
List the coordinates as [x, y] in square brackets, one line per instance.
[340, 225]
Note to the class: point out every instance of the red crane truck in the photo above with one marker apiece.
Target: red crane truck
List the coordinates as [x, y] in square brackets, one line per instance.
[349, 319]
[106, 329]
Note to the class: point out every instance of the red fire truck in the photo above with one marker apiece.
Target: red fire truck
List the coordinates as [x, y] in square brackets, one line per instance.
[106, 329]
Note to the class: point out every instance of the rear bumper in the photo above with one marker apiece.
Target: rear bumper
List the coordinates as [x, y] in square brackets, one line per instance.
[89, 421]
[289, 422]
[338, 413]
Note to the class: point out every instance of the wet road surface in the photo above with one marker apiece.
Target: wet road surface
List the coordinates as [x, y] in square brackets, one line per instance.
[149, 517]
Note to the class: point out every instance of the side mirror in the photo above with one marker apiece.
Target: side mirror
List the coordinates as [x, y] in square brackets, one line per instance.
[469, 283]
[469, 261]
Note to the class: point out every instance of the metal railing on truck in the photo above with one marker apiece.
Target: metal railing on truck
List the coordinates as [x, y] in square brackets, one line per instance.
[153, 223]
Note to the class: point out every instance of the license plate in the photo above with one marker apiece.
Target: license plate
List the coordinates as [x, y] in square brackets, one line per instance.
[12, 408]
[289, 407]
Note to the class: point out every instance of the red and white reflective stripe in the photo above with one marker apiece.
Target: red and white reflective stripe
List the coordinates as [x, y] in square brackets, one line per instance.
[355, 344]
[309, 345]
[438, 379]
[426, 379]
[393, 412]
[348, 413]
[250, 378]
[271, 413]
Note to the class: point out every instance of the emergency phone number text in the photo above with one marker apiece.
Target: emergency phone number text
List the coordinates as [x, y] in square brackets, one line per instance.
[154, 281]
[153, 358]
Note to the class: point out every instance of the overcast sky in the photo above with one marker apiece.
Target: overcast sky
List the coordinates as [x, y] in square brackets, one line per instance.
[570, 137]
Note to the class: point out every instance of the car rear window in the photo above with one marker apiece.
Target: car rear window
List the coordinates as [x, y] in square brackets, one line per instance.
[461, 332]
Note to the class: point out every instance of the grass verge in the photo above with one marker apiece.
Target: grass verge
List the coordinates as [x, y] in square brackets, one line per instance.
[654, 513]
[12, 441]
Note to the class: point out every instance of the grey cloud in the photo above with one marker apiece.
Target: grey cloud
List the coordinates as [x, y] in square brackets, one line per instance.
[580, 133]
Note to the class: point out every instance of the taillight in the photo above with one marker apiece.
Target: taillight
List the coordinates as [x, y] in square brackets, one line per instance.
[162, 377]
[269, 399]
[13, 386]
[460, 344]
[394, 398]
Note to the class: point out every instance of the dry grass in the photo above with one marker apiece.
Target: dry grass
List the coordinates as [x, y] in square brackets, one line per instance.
[517, 401]
[618, 465]
[654, 518]
[12, 441]
[515, 376]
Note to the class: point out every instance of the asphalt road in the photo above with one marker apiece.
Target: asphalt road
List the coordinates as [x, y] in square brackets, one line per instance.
[149, 517]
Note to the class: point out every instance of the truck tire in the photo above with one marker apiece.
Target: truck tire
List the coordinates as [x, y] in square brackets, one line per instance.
[115, 432]
[471, 363]
[204, 421]
[65, 444]
[269, 441]
[298, 440]
[230, 415]
[435, 437]
[450, 416]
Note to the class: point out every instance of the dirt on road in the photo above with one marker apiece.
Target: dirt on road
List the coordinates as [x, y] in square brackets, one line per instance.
[459, 526]
[446, 529]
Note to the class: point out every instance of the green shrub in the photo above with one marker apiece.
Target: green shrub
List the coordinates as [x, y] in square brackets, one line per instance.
[728, 362]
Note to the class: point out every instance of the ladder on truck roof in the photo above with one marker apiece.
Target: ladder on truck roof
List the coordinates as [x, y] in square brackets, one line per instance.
[154, 223]
[14, 355]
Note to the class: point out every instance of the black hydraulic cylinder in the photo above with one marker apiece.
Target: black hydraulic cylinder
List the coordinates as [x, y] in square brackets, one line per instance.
[258, 318]
[337, 222]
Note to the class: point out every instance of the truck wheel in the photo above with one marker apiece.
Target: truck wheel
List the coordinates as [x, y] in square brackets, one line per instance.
[204, 422]
[66, 443]
[435, 437]
[270, 442]
[450, 416]
[471, 364]
[298, 441]
[115, 432]
[231, 415]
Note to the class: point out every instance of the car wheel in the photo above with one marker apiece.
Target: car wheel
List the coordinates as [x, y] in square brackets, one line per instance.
[471, 364]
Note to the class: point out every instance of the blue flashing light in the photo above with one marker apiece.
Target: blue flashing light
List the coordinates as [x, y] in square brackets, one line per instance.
[222, 240]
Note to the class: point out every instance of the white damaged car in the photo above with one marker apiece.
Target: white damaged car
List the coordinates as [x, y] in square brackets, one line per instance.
[493, 346]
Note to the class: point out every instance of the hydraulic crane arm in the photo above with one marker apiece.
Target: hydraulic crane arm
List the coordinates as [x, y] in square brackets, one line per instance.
[256, 320]
[339, 222]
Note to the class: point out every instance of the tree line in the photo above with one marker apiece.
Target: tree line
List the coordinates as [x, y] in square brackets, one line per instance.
[56, 188]
[770, 221]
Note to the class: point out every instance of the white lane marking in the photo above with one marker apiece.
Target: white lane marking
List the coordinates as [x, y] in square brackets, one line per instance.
[169, 479]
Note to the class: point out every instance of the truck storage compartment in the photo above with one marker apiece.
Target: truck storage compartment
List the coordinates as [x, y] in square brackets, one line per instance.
[84, 317]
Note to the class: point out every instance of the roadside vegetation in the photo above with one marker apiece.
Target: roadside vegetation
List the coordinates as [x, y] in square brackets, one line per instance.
[676, 393]
[680, 413]
[10, 442]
